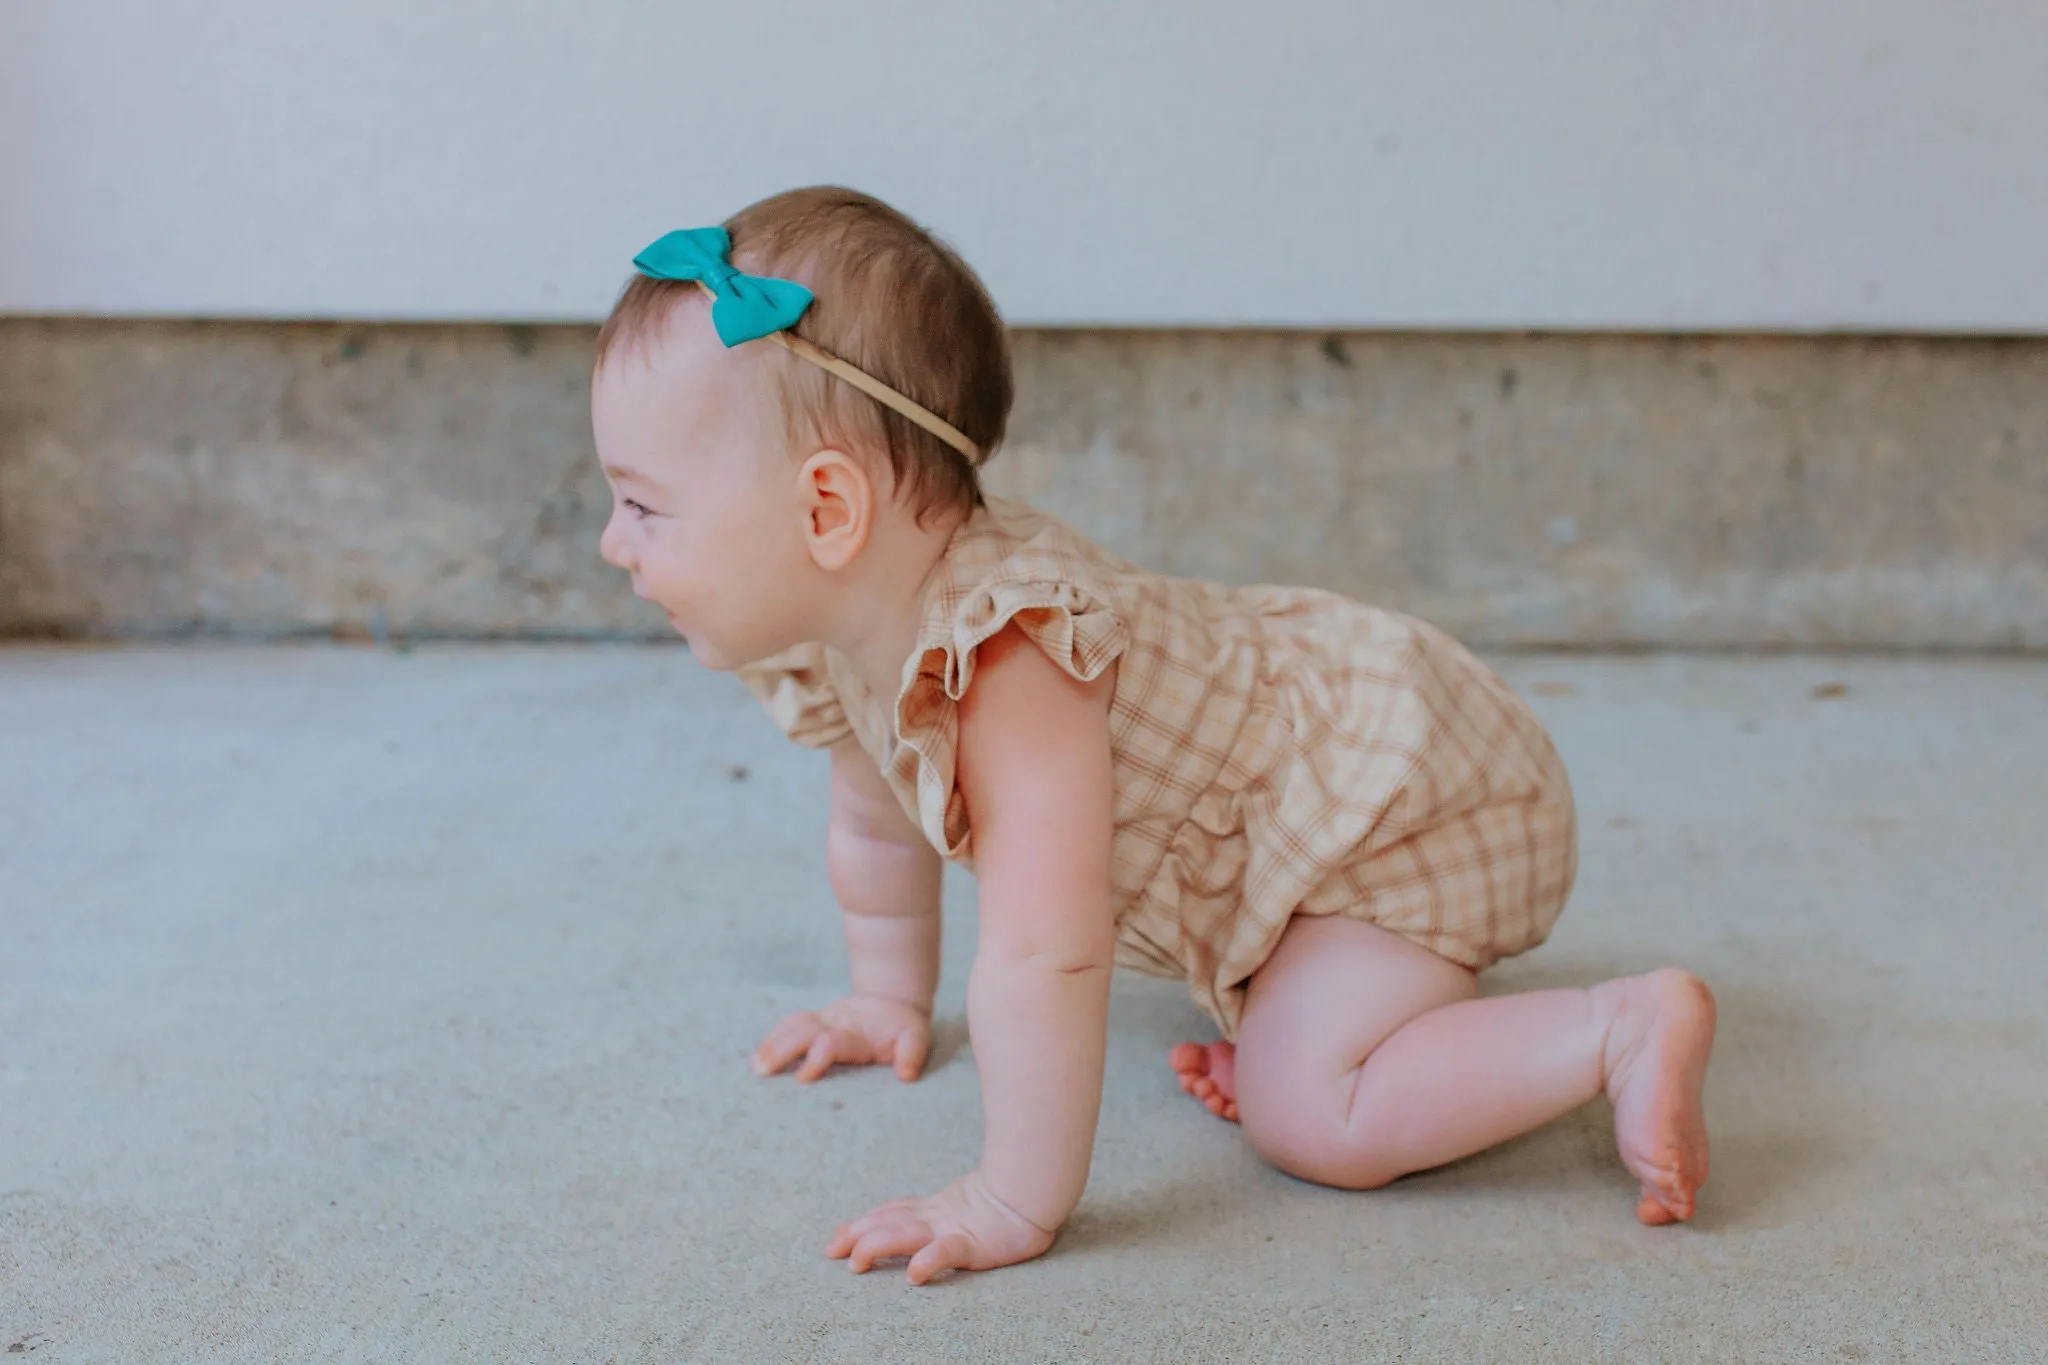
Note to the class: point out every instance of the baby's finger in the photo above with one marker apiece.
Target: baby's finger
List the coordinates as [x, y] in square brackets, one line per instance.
[829, 1047]
[895, 1211]
[913, 1045]
[892, 1239]
[952, 1252]
[802, 1024]
[786, 1042]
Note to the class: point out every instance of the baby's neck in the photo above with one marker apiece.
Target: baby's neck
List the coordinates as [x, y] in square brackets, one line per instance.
[875, 623]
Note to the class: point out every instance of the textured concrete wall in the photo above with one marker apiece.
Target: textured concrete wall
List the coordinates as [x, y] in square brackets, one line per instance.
[1600, 491]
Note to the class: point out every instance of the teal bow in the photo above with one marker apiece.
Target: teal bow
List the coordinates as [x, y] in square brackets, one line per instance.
[743, 307]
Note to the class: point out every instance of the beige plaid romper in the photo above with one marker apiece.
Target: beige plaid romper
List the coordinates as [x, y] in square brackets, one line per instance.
[1278, 752]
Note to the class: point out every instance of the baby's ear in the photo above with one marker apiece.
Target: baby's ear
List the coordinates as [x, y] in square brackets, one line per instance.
[838, 501]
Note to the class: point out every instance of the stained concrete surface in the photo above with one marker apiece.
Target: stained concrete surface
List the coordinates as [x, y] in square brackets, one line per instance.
[359, 1005]
[262, 479]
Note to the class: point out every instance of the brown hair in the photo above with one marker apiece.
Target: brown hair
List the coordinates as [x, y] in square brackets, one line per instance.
[892, 300]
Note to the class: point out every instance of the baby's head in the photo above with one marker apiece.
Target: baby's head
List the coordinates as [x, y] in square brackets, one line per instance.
[747, 482]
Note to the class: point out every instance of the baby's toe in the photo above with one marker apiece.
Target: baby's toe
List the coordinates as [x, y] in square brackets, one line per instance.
[1651, 1212]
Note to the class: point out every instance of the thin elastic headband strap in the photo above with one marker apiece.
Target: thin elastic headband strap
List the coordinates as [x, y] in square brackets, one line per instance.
[874, 388]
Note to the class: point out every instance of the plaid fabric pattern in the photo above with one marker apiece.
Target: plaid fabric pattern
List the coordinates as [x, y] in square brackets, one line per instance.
[1278, 751]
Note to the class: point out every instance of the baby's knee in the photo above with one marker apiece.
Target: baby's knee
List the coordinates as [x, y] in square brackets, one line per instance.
[1301, 1141]
[1327, 1162]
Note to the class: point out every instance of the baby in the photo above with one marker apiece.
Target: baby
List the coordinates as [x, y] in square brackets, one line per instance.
[1326, 818]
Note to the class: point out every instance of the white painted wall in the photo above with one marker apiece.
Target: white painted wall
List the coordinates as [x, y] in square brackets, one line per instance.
[1572, 163]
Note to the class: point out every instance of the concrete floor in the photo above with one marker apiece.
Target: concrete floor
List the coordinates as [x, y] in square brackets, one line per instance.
[370, 1006]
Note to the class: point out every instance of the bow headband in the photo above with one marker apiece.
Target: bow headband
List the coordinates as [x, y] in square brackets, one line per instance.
[748, 307]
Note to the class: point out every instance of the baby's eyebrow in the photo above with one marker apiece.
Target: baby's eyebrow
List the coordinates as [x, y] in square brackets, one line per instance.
[623, 474]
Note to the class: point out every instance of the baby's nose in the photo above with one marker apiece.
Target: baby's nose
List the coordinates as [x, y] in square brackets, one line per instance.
[612, 547]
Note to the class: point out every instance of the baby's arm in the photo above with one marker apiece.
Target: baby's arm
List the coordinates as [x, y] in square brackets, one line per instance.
[887, 880]
[1034, 769]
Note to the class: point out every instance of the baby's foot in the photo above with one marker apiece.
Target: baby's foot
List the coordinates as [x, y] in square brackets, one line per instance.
[1656, 1062]
[1209, 1073]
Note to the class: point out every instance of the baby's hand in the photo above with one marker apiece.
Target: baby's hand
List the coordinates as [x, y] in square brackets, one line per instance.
[962, 1227]
[861, 1030]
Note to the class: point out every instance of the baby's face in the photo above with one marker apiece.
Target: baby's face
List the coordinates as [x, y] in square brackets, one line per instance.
[706, 513]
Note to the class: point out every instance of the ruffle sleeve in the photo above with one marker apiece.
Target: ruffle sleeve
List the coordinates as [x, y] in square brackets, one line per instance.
[1074, 626]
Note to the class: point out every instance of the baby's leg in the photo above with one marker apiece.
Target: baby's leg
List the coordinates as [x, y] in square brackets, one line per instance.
[1362, 1058]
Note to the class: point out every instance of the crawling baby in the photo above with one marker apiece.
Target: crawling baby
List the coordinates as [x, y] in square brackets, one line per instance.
[1325, 817]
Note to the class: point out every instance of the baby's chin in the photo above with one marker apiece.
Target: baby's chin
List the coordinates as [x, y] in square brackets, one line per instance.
[696, 647]
[704, 652]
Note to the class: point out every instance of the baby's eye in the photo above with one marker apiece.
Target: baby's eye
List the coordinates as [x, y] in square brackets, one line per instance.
[639, 509]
